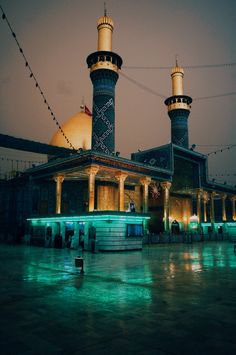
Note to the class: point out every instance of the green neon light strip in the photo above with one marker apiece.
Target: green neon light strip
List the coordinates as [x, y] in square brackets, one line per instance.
[91, 218]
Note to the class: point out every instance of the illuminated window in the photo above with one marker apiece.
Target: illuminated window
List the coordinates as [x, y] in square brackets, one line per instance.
[134, 230]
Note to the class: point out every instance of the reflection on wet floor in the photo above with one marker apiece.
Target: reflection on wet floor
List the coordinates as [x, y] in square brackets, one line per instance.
[166, 299]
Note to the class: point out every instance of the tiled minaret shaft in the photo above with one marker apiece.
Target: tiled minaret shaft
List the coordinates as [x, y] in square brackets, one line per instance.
[104, 66]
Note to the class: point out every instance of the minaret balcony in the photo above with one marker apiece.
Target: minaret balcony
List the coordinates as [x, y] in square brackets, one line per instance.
[178, 102]
[104, 60]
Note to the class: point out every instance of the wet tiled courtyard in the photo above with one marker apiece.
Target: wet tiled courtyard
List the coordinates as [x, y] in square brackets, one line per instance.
[166, 299]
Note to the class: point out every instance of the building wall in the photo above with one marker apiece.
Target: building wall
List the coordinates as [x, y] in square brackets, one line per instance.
[180, 210]
[107, 198]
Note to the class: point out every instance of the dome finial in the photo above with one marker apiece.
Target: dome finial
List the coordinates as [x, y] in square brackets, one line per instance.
[82, 106]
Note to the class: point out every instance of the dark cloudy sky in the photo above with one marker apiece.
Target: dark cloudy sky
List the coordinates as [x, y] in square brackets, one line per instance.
[58, 35]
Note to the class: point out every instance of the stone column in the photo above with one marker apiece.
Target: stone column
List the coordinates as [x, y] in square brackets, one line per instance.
[205, 200]
[92, 171]
[121, 193]
[59, 180]
[223, 198]
[145, 183]
[166, 187]
[199, 195]
[212, 210]
[233, 199]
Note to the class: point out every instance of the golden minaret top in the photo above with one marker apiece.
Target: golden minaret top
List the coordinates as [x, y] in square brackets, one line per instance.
[177, 75]
[104, 58]
[105, 28]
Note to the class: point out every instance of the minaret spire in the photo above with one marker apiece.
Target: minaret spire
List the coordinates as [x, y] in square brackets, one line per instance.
[176, 60]
[178, 108]
[105, 9]
[105, 28]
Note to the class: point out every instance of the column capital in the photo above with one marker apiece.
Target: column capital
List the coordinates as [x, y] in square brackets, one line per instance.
[166, 185]
[223, 196]
[120, 176]
[59, 178]
[92, 170]
[205, 196]
[145, 180]
[233, 198]
[212, 194]
[199, 191]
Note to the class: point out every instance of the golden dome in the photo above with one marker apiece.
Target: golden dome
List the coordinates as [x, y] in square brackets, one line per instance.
[78, 129]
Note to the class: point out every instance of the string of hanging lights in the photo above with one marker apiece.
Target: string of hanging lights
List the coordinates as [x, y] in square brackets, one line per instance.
[153, 92]
[201, 66]
[222, 150]
[225, 174]
[33, 77]
[134, 81]
[142, 86]
[21, 160]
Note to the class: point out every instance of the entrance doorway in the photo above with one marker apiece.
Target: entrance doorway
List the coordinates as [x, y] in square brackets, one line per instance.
[175, 229]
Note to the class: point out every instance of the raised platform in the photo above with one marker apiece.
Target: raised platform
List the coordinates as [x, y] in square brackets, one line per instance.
[98, 230]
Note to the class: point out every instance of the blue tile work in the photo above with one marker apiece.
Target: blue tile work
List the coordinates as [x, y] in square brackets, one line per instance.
[160, 157]
[103, 124]
[179, 127]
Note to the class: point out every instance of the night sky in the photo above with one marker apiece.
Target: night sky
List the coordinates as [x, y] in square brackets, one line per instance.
[57, 36]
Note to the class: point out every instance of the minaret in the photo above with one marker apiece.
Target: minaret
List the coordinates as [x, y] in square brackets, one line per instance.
[104, 66]
[178, 108]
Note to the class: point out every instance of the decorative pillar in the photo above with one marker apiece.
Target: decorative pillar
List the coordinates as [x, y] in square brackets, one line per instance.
[59, 180]
[223, 198]
[205, 200]
[121, 197]
[145, 183]
[212, 210]
[166, 187]
[233, 208]
[92, 171]
[199, 195]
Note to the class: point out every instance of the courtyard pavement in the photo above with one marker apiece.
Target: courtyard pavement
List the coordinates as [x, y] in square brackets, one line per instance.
[166, 299]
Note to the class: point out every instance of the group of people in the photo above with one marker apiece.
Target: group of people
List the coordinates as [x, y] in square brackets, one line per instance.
[71, 242]
[58, 241]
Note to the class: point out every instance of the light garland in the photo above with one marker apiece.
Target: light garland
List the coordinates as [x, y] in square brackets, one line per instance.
[32, 76]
